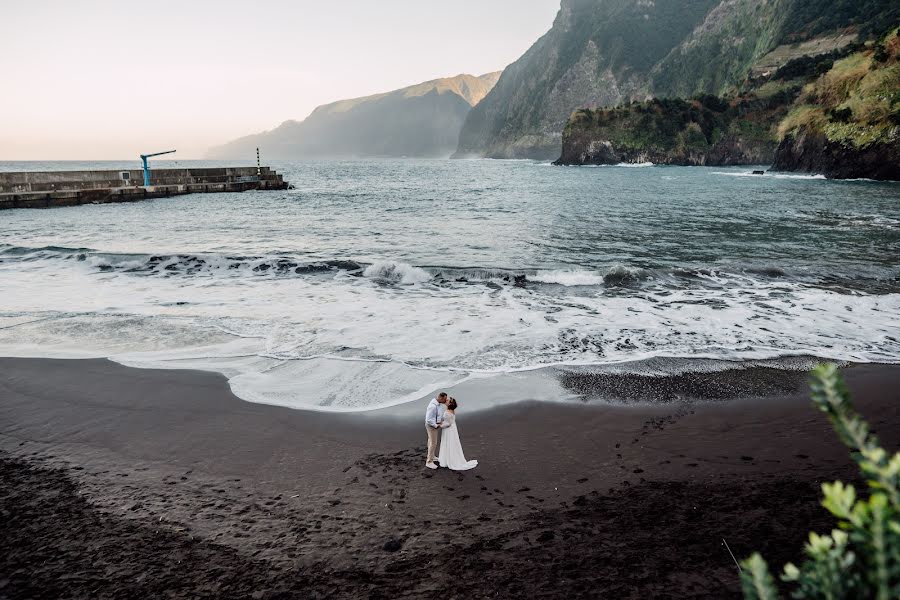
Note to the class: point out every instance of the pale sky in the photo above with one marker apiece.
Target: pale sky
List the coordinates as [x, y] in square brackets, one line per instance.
[104, 79]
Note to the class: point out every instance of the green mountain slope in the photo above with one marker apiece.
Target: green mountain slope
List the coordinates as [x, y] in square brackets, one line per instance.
[421, 120]
[836, 114]
[600, 53]
[738, 33]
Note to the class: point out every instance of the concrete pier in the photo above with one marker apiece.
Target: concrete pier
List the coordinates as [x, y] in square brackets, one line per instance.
[50, 189]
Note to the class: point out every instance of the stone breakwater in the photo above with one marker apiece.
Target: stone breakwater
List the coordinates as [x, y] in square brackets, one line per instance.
[70, 188]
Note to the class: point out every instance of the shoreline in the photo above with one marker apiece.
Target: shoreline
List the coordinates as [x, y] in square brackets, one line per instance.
[568, 500]
[648, 381]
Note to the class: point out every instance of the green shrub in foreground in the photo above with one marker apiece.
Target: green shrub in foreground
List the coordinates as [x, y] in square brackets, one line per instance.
[861, 559]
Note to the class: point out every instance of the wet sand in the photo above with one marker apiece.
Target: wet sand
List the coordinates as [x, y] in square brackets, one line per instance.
[120, 482]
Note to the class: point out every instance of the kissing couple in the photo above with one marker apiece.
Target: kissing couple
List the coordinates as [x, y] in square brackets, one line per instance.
[440, 422]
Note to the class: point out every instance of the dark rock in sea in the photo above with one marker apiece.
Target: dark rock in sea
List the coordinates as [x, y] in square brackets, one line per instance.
[815, 153]
[759, 172]
[519, 281]
[393, 545]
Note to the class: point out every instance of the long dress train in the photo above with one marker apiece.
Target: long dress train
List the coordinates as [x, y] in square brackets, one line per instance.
[451, 453]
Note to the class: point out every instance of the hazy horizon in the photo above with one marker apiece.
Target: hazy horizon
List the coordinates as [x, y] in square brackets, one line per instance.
[99, 80]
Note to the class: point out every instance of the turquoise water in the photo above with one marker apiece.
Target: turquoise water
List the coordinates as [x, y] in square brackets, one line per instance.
[410, 275]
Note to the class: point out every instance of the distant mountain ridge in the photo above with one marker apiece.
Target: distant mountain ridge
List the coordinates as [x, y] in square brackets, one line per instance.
[601, 53]
[421, 120]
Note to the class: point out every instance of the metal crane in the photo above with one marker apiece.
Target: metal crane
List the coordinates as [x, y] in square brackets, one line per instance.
[144, 158]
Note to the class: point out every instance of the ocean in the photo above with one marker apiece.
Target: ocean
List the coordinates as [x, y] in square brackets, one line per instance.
[374, 283]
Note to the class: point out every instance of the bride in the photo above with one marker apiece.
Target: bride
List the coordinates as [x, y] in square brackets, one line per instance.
[451, 452]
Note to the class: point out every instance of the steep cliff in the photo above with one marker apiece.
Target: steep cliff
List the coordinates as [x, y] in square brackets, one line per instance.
[423, 120]
[600, 53]
[739, 34]
[846, 125]
[811, 152]
[836, 114]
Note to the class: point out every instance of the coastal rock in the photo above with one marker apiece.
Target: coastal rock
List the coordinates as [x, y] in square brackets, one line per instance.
[813, 153]
[670, 132]
[729, 152]
[846, 123]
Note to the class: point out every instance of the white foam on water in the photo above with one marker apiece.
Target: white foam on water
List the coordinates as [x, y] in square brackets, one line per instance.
[117, 262]
[617, 165]
[770, 174]
[313, 341]
[397, 272]
[568, 278]
[353, 343]
[339, 385]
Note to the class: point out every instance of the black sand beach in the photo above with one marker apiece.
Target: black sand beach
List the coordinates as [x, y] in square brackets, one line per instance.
[121, 483]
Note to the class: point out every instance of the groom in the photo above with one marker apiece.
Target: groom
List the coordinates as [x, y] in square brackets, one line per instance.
[434, 418]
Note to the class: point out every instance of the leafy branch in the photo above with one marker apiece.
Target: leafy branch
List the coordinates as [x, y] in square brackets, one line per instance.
[861, 558]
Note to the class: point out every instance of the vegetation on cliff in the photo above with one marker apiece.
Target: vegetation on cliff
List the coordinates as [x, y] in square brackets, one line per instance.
[857, 102]
[740, 128]
[836, 113]
[598, 53]
[705, 130]
[601, 53]
[738, 33]
[846, 124]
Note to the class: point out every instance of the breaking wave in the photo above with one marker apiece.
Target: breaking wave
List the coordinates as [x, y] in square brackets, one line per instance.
[569, 278]
[405, 274]
[394, 272]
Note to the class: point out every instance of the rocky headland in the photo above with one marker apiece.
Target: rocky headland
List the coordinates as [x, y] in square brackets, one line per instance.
[604, 53]
[846, 125]
[836, 114]
[704, 131]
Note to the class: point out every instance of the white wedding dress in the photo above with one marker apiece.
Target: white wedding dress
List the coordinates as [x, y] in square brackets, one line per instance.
[451, 453]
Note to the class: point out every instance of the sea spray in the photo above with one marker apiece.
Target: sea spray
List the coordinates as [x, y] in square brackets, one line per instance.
[394, 272]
